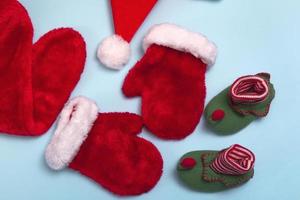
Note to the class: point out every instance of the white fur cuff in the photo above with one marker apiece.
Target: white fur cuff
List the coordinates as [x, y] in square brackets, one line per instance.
[76, 121]
[178, 38]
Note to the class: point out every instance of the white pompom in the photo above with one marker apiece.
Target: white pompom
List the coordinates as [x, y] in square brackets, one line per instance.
[114, 52]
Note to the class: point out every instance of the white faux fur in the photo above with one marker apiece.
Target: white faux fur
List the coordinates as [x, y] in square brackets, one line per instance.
[114, 52]
[178, 38]
[76, 121]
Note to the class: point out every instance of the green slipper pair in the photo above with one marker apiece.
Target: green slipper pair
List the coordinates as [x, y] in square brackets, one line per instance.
[213, 171]
[247, 99]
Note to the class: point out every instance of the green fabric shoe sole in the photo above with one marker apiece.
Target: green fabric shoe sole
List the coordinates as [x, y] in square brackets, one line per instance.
[202, 178]
[234, 121]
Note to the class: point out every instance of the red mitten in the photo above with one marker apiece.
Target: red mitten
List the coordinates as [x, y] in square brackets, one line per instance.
[36, 80]
[105, 148]
[170, 78]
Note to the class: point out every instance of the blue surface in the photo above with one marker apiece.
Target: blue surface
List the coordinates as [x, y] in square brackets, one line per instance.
[252, 36]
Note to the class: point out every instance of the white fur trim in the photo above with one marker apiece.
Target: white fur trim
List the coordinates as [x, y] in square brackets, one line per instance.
[76, 121]
[114, 52]
[178, 38]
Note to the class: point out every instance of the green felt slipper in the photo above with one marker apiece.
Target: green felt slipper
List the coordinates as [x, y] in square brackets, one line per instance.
[247, 99]
[213, 171]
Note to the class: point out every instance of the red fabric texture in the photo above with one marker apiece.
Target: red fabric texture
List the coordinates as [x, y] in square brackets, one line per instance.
[129, 15]
[188, 163]
[116, 158]
[171, 84]
[35, 79]
[218, 115]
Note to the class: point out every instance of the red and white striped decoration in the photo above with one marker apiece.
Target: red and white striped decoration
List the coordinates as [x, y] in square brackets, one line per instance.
[235, 160]
[249, 89]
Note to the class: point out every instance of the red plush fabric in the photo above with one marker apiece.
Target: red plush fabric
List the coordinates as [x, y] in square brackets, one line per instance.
[129, 15]
[116, 158]
[58, 61]
[188, 163]
[172, 86]
[35, 80]
[15, 57]
[218, 115]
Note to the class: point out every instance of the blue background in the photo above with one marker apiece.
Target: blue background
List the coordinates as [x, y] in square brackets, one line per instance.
[252, 36]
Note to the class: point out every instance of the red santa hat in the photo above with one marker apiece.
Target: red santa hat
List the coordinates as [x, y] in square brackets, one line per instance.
[128, 15]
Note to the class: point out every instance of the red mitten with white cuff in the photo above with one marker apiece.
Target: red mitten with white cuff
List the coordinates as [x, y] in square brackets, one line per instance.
[170, 79]
[105, 147]
[36, 79]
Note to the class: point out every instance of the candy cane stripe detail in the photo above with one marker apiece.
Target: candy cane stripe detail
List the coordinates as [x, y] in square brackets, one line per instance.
[235, 160]
[222, 169]
[249, 89]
